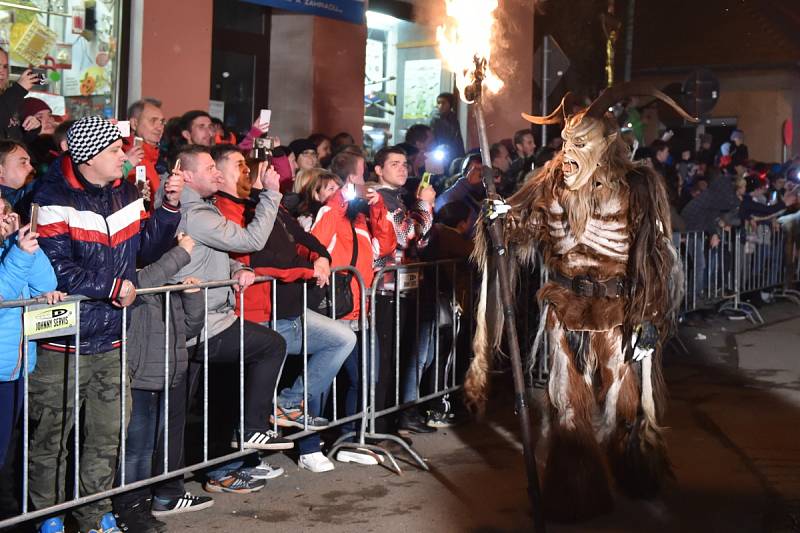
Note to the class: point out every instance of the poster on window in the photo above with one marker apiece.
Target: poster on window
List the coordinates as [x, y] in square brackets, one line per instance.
[421, 83]
[373, 70]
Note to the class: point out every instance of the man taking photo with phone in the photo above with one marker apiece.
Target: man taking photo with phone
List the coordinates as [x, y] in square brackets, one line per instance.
[146, 161]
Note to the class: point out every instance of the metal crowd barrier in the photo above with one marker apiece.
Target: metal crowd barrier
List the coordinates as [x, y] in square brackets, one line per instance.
[366, 415]
[751, 259]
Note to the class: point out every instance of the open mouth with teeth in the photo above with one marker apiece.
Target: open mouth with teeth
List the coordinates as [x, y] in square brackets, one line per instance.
[569, 167]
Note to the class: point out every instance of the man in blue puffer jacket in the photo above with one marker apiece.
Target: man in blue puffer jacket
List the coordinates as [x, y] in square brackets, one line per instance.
[94, 228]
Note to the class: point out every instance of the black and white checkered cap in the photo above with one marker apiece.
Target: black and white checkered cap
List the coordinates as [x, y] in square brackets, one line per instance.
[89, 136]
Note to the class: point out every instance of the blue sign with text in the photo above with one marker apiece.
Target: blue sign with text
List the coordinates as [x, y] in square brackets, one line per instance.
[347, 10]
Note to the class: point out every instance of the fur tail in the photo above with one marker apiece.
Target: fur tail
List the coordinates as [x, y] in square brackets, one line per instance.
[488, 334]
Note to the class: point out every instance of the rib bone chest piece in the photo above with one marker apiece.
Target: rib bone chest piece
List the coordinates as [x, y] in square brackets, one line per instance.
[604, 241]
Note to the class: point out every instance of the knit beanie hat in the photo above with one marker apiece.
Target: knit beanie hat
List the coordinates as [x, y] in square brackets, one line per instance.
[89, 136]
[298, 146]
[30, 106]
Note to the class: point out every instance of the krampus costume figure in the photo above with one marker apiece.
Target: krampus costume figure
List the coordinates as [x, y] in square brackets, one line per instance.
[602, 224]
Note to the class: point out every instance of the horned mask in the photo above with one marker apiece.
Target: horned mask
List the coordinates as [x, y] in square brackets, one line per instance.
[586, 136]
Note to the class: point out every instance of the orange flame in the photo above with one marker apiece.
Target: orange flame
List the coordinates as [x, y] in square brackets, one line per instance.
[465, 35]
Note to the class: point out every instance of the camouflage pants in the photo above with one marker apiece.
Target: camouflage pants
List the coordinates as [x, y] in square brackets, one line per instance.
[52, 417]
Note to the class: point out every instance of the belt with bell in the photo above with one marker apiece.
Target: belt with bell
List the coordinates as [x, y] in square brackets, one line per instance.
[588, 287]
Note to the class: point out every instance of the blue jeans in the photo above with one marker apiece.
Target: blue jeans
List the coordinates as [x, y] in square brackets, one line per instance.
[425, 352]
[329, 345]
[352, 367]
[146, 411]
[144, 443]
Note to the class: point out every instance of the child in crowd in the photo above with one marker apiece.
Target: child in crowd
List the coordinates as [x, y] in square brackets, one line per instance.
[25, 272]
[147, 333]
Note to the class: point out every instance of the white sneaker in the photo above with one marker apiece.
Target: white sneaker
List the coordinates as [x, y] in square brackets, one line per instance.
[360, 456]
[265, 470]
[316, 462]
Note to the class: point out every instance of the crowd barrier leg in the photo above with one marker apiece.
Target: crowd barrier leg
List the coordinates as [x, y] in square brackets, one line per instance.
[372, 433]
[736, 305]
[787, 245]
[367, 379]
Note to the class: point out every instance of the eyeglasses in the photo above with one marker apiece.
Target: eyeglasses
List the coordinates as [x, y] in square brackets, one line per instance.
[155, 120]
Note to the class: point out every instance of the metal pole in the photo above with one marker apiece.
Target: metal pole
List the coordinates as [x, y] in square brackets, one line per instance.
[521, 404]
[629, 39]
[545, 84]
[165, 391]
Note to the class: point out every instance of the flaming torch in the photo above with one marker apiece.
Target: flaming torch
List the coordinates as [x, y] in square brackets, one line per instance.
[465, 42]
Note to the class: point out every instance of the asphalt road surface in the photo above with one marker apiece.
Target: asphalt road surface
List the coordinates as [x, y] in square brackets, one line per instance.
[734, 440]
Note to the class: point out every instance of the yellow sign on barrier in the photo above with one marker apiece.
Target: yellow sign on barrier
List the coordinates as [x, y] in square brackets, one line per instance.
[44, 321]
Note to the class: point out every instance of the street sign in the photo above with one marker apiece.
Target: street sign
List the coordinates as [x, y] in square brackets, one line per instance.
[347, 10]
[700, 92]
[557, 65]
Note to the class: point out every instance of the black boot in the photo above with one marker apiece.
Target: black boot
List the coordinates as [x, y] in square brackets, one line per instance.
[411, 422]
[136, 517]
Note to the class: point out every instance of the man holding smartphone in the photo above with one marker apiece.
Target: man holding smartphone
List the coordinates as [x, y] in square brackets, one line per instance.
[146, 163]
[11, 126]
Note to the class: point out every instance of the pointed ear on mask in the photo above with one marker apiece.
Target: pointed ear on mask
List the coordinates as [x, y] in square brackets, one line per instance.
[611, 138]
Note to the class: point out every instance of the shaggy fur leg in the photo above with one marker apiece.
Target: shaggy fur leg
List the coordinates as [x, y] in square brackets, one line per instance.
[638, 459]
[575, 480]
[575, 486]
[637, 453]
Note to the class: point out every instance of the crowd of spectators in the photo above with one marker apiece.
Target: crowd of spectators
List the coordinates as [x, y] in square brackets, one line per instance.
[183, 201]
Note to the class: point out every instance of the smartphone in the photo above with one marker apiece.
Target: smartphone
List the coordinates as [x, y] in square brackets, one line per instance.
[41, 75]
[265, 116]
[124, 128]
[138, 141]
[141, 174]
[34, 217]
[352, 191]
[425, 181]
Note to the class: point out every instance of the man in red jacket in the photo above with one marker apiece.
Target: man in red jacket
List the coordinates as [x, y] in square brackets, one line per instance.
[142, 148]
[337, 222]
[327, 342]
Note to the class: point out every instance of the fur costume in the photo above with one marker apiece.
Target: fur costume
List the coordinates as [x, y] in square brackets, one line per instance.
[602, 225]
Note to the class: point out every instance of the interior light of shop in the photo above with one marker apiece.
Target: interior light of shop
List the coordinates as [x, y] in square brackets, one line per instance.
[379, 20]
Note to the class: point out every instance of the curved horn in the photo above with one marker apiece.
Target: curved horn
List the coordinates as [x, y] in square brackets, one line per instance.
[557, 116]
[612, 95]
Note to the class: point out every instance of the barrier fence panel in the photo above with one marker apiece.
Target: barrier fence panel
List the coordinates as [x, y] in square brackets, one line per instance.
[439, 295]
[445, 376]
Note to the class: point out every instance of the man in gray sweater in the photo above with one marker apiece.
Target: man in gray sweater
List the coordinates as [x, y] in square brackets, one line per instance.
[264, 350]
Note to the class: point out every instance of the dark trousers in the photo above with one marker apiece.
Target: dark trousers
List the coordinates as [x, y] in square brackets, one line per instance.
[264, 353]
[144, 444]
[10, 409]
[388, 335]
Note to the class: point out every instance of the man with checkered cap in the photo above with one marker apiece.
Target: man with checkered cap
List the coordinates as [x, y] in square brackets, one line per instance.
[94, 229]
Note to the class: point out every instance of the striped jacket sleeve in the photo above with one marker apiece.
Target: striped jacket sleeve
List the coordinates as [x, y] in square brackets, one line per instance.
[56, 241]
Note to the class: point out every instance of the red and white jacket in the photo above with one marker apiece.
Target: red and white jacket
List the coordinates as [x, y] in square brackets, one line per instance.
[375, 236]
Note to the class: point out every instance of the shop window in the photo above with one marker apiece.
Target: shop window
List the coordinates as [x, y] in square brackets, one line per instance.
[239, 63]
[403, 76]
[74, 44]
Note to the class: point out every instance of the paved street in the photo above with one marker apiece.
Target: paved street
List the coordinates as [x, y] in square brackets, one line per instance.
[734, 440]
